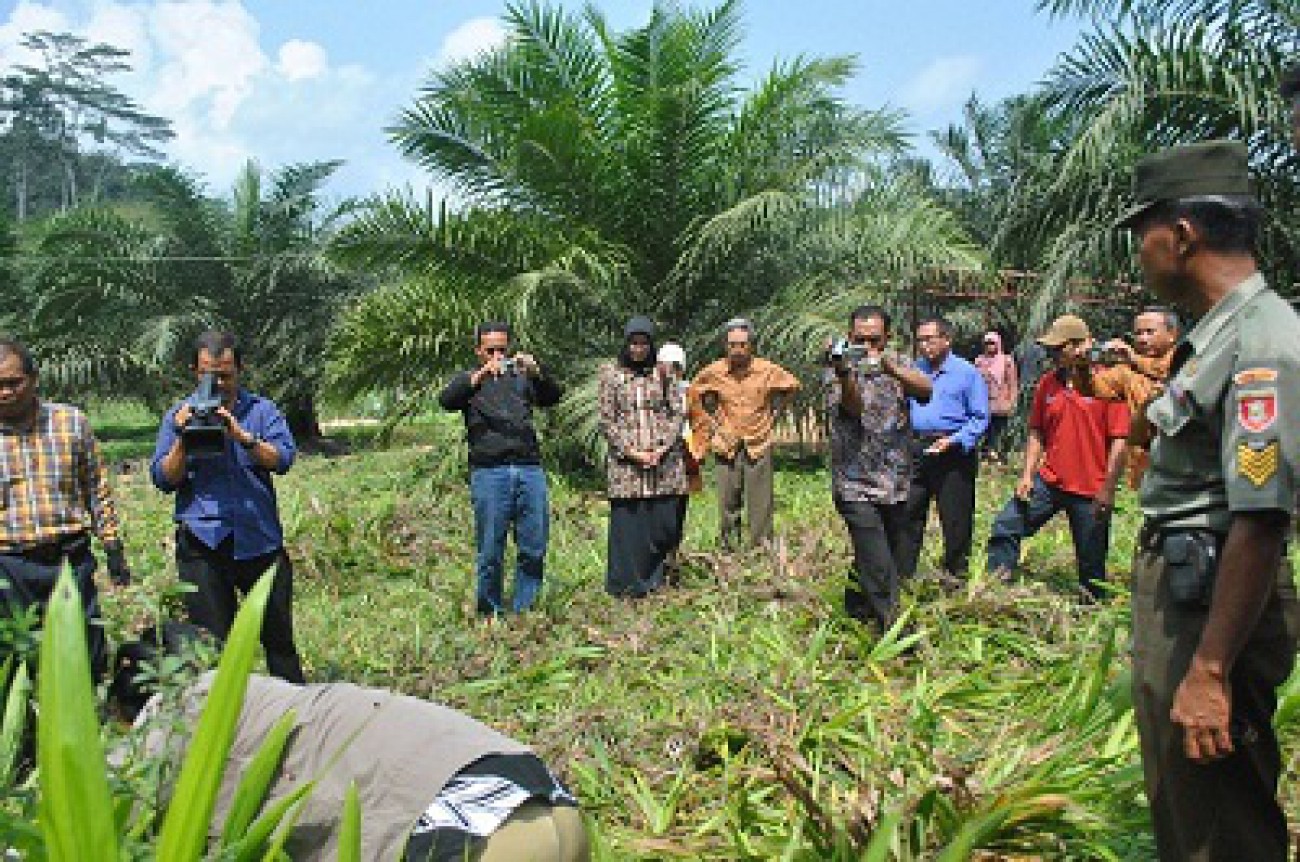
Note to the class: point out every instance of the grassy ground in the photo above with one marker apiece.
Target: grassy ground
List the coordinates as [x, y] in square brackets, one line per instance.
[736, 715]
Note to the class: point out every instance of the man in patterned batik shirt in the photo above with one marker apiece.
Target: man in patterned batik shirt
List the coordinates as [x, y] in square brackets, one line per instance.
[871, 463]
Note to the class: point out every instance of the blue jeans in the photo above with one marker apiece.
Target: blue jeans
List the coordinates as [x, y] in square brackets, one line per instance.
[502, 497]
[1019, 520]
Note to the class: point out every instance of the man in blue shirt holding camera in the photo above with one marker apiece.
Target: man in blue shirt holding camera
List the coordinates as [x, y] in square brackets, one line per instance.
[228, 529]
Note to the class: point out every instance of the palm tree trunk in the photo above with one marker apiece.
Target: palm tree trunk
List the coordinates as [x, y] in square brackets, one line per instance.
[303, 419]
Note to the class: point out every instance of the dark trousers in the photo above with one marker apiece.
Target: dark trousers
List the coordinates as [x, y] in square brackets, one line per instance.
[642, 532]
[878, 533]
[1019, 520]
[1227, 809]
[992, 442]
[745, 483]
[949, 480]
[29, 579]
[219, 579]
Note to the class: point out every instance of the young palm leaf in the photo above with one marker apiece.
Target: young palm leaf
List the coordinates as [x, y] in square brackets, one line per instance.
[76, 809]
[185, 829]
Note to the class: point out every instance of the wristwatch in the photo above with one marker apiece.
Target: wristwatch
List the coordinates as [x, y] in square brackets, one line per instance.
[252, 442]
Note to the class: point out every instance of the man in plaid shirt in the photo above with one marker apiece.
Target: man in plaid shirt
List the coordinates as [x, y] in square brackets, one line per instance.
[53, 493]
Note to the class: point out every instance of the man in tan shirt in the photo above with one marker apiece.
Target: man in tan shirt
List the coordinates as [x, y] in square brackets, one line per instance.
[733, 403]
[1138, 377]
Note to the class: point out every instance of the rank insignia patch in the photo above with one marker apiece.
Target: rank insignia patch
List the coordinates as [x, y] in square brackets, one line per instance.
[1255, 375]
[1257, 465]
[1257, 411]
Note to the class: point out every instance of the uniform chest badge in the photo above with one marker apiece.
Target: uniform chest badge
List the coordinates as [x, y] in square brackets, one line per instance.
[1255, 375]
[1257, 465]
[1257, 411]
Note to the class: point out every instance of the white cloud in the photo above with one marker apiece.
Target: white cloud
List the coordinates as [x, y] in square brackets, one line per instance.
[210, 58]
[27, 17]
[302, 61]
[474, 37]
[202, 65]
[125, 27]
[943, 83]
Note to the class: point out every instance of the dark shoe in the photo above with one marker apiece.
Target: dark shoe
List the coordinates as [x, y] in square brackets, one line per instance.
[856, 606]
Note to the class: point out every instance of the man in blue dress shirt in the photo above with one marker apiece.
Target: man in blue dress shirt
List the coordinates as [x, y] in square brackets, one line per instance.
[946, 432]
[228, 529]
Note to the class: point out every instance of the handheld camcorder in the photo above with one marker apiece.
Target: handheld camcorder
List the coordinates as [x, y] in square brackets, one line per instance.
[854, 355]
[508, 365]
[204, 433]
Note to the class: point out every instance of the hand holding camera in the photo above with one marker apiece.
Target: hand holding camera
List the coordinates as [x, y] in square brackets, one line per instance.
[843, 355]
[1112, 352]
[203, 422]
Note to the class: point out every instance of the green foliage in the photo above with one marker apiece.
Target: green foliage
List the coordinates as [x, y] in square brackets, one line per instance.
[120, 295]
[606, 174]
[1150, 75]
[66, 128]
[185, 829]
[737, 715]
[76, 809]
[82, 816]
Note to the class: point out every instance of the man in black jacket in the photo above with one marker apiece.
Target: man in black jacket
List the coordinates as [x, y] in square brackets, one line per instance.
[507, 485]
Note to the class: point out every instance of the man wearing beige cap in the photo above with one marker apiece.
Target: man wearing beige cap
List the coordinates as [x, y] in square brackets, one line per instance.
[1076, 443]
[1215, 614]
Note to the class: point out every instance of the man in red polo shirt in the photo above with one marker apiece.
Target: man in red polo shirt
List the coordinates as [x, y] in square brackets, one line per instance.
[1075, 439]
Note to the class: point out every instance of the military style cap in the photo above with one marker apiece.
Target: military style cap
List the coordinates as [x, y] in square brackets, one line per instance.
[1065, 328]
[1207, 169]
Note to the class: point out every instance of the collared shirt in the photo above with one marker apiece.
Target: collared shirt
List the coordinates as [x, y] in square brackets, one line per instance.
[53, 483]
[959, 406]
[871, 460]
[1077, 429]
[1138, 385]
[228, 494]
[1228, 423]
[744, 415]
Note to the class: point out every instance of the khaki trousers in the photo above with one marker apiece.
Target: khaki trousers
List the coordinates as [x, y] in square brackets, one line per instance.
[538, 832]
[744, 483]
[1228, 809]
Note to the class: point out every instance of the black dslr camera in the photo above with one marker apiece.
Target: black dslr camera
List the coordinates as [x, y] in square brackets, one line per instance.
[204, 433]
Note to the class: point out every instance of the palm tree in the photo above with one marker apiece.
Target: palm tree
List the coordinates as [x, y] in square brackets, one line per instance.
[120, 293]
[603, 174]
[1154, 73]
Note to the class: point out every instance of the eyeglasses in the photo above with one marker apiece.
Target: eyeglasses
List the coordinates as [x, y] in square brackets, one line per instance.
[501, 350]
[741, 344]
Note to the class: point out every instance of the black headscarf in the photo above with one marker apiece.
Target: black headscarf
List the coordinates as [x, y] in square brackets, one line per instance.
[638, 326]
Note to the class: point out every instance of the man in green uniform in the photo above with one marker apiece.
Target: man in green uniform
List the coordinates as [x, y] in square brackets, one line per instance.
[1215, 615]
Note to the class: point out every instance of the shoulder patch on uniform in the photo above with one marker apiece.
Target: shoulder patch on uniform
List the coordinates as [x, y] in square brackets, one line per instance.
[1257, 465]
[1247, 376]
[1257, 409]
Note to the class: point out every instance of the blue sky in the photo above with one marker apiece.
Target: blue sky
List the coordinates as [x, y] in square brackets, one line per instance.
[296, 80]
